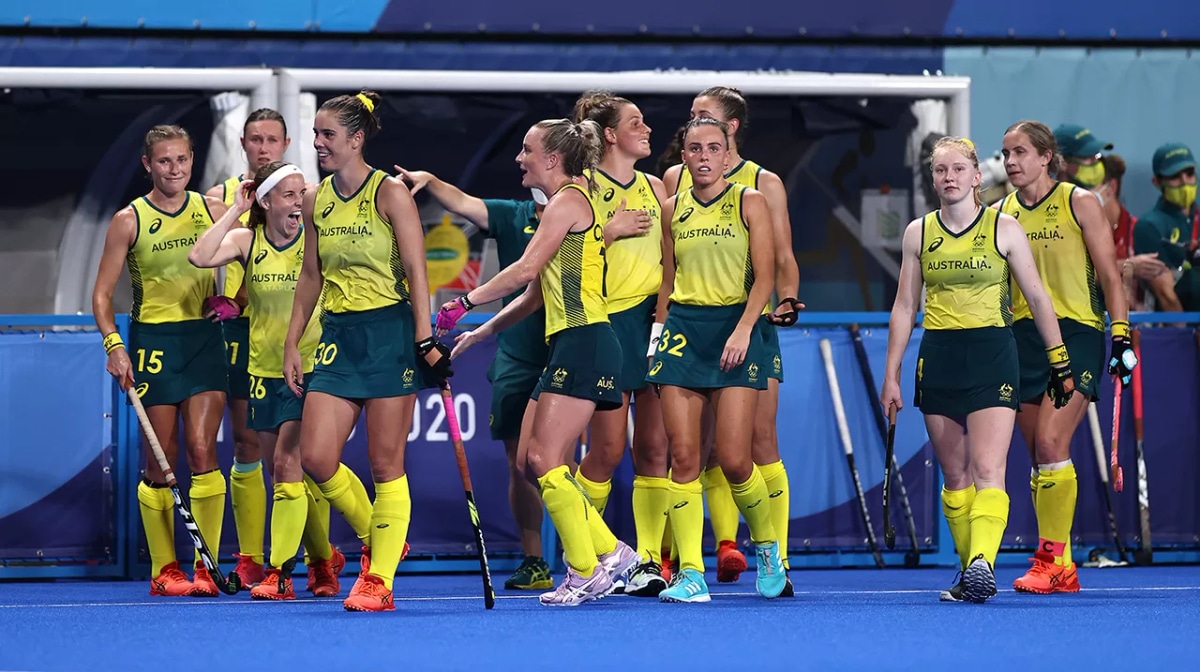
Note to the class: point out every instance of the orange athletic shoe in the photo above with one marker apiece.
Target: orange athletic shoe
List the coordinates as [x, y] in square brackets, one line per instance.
[323, 575]
[274, 586]
[668, 567]
[250, 572]
[1045, 577]
[171, 582]
[364, 562]
[731, 562]
[369, 594]
[202, 583]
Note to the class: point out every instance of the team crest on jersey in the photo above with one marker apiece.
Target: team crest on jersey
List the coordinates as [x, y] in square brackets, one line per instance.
[752, 372]
[559, 377]
[726, 208]
[778, 364]
[198, 219]
[1051, 213]
[1006, 392]
[262, 254]
[979, 242]
[408, 376]
[328, 209]
[364, 207]
[155, 225]
[1085, 379]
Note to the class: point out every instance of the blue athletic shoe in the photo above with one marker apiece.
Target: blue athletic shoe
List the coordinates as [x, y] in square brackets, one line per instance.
[771, 578]
[686, 586]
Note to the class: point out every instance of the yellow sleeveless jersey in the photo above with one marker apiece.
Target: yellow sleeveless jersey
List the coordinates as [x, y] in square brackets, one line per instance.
[271, 276]
[966, 277]
[1062, 257]
[234, 273]
[573, 280]
[360, 261]
[634, 263]
[166, 287]
[712, 249]
[745, 173]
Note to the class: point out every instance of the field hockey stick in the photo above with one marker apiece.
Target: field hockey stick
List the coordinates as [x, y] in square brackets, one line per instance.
[460, 455]
[844, 430]
[1145, 555]
[891, 466]
[229, 585]
[1118, 476]
[1098, 445]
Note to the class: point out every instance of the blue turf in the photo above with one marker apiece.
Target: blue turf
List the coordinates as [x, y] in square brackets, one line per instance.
[1143, 618]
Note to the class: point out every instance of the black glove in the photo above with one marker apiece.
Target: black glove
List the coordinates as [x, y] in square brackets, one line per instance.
[1123, 360]
[1061, 386]
[441, 367]
[786, 319]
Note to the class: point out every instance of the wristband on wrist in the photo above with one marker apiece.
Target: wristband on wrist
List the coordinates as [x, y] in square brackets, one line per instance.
[466, 302]
[1120, 329]
[1058, 355]
[112, 342]
[655, 335]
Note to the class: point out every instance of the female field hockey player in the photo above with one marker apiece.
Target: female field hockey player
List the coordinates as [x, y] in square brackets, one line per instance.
[718, 270]
[727, 105]
[175, 356]
[1073, 248]
[583, 373]
[366, 248]
[520, 357]
[271, 249]
[968, 378]
[264, 140]
[631, 202]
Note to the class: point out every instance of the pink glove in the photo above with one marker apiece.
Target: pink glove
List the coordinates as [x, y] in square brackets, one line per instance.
[451, 313]
[222, 307]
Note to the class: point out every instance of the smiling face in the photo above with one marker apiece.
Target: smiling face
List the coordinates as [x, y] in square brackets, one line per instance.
[706, 153]
[335, 147]
[631, 136]
[282, 205]
[264, 142]
[955, 175]
[170, 165]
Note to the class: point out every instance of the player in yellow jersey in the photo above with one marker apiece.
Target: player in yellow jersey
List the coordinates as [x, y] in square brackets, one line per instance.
[728, 105]
[968, 379]
[366, 248]
[718, 270]
[271, 249]
[1073, 248]
[264, 139]
[567, 259]
[175, 357]
[631, 204]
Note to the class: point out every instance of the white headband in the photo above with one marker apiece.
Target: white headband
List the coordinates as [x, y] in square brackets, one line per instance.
[274, 179]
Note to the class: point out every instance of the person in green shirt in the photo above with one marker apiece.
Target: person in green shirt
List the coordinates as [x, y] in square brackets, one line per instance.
[1169, 230]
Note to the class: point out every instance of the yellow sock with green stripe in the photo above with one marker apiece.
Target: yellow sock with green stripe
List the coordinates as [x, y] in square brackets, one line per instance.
[389, 527]
[776, 478]
[316, 524]
[565, 503]
[288, 514]
[207, 495]
[249, 496]
[989, 517]
[956, 505]
[722, 510]
[597, 492]
[753, 500]
[603, 540]
[158, 518]
[347, 494]
[1058, 488]
[686, 501]
[650, 494]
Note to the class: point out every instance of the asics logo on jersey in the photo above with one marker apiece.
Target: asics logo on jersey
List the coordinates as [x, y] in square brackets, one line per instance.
[328, 209]
[260, 256]
[608, 195]
[686, 213]
[680, 505]
[937, 242]
[155, 225]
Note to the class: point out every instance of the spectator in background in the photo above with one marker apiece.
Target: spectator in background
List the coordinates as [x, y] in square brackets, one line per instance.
[1134, 267]
[1081, 152]
[1169, 229]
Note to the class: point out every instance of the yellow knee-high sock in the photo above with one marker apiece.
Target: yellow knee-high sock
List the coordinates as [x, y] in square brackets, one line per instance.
[650, 494]
[316, 524]
[687, 522]
[566, 504]
[597, 492]
[989, 517]
[776, 478]
[956, 505]
[722, 510]
[249, 496]
[753, 500]
[288, 514]
[389, 527]
[603, 540]
[208, 506]
[347, 494]
[1057, 492]
[158, 519]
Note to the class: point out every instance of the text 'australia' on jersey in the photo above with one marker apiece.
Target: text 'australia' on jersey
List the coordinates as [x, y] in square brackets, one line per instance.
[271, 277]
[966, 277]
[166, 286]
[712, 249]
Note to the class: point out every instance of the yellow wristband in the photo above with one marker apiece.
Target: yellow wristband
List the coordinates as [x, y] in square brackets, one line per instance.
[1120, 329]
[1058, 355]
[112, 342]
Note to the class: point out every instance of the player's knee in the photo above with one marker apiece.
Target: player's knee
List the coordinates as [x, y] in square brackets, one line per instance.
[738, 469]
[1052, 446]
[685, 462]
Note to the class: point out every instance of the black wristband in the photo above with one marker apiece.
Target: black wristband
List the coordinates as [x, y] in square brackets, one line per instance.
[466, 302]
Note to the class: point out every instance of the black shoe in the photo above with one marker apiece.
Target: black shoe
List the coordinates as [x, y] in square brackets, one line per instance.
[646, 580]
[953, 593]
[979, 581]
[788, 589]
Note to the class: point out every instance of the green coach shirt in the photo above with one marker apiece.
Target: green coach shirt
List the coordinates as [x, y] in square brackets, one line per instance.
[1167, 230]
[511, 224]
